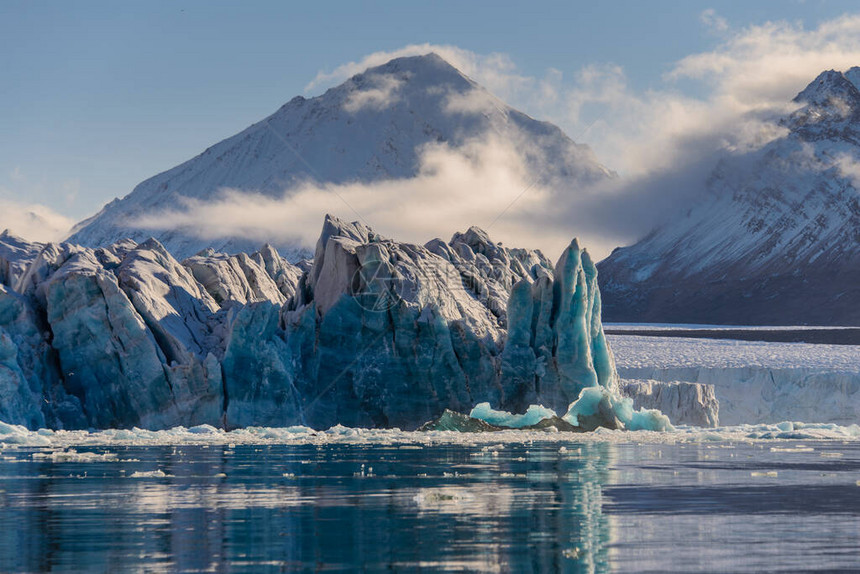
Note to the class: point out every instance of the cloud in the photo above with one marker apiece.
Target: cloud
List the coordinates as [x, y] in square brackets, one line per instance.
[473, 101]
[849, 168]
[496, 72]
[713, 21]
[382, 94]
[454, 189]
[762, 65]
[665, 141]
[33, 221]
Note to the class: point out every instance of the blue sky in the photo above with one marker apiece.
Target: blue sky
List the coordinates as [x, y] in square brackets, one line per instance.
[97, 96]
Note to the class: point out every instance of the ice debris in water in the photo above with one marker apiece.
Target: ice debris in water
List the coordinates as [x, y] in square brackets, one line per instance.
[18, 434]
[13, 437]
[149, 474]
[600, 407]
[596, 407]
[532, 416]
[72, 455]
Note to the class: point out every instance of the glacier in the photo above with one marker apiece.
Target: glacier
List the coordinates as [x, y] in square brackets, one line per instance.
[690, 403]
[749, 382]
[371, 333]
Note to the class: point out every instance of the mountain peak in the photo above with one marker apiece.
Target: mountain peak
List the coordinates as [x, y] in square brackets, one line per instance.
[831, 85]
[832, 107]
[751, 250]
[422, 62]
[375, 126]
[853, 76]
[418, 72]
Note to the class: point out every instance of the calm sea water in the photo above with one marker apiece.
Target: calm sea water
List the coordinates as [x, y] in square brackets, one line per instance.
[537, 507]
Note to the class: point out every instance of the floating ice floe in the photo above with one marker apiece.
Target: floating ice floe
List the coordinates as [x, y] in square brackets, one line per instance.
[72, 455]
[158, 473]
[533, 415]
[596, 407]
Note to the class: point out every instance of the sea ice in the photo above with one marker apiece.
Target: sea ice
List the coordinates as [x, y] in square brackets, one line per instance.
[149, 474]
[600, 407]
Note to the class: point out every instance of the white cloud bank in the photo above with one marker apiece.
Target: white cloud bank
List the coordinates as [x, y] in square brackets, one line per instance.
[382, 95]
[32, 221]
[454, 189]
[749, 78]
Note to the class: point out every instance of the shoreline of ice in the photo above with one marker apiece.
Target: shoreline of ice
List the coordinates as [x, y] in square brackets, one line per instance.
[16, 436]
[718, 327]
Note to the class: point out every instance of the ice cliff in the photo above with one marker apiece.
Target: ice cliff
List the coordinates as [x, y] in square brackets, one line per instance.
[693, 404]
[755, 382]
[373, 332]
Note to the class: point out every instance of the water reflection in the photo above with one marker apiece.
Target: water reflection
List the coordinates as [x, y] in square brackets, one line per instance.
[534, 507]
[282, 508]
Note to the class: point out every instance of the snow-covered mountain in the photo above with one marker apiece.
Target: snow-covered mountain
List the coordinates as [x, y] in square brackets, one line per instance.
[775, 240]
[370, 128]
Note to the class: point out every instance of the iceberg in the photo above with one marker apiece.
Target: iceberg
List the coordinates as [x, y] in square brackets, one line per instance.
[596, 407]
[600, 407]
[533, 415]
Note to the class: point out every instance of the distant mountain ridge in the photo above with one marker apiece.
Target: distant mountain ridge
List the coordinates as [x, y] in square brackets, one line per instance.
[776, 239]
[367, 129]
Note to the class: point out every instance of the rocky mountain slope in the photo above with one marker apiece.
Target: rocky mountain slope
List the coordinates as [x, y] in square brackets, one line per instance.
[372, 333]
[776, 239]
[370, 128]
